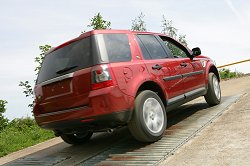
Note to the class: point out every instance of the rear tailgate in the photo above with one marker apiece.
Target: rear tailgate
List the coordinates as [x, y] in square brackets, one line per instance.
[64, 80]
[65, 92]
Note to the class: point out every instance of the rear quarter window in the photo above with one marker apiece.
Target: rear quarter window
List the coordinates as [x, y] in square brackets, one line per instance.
[114, 47]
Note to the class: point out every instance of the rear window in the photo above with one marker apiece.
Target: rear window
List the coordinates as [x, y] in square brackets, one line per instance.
[65, 60]
[100, 48]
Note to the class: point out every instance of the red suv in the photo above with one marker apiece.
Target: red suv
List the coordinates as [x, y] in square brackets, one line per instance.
[105, 79]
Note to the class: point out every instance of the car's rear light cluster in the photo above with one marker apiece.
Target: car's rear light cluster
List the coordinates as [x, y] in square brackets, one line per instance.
[101, 77]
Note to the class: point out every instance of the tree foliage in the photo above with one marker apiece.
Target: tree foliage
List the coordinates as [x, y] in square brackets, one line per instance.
[226, 73]
[138, 24]
[26, 85]
[97, 22]
[3, 120]
[39, 59]
[170, 30]
[28, 91]
[182, 39]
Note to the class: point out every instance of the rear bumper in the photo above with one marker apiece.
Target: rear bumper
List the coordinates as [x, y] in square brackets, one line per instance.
[107, 108]
[97, 123]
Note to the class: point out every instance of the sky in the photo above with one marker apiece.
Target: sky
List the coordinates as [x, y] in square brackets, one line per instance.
[219, 27]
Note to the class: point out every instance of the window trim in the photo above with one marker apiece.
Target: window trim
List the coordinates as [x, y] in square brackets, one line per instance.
[169, 54]
[144, 47]
[177, 44]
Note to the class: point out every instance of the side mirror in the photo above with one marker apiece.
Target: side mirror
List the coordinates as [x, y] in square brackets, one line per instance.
[196, 51]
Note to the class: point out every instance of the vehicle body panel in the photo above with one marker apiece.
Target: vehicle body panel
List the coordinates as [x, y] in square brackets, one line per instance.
[71, 97]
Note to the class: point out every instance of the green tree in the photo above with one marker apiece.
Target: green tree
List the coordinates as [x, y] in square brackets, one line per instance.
[39, 59]
[182, 39]
[3, 120]
[138, 24]
[170, 30]
[26, 85]
[97, 22]
[226, 73]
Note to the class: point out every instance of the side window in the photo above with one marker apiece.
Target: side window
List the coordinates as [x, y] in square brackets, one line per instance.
[174, 49]
[143, 49]
[152, 46]
[117, 47]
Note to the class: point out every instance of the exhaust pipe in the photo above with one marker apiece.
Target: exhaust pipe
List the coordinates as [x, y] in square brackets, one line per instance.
[110, 131]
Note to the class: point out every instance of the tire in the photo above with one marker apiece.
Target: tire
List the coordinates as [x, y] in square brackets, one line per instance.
[213, 96]
[76, 139]
[149, 118]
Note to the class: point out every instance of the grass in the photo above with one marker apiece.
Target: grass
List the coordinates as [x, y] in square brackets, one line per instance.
[227, 74]
[21, 133]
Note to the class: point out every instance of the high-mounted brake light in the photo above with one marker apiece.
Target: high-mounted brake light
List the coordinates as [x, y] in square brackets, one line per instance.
[101, 77]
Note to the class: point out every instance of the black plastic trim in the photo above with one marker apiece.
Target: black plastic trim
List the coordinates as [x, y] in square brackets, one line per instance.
[183, 75]
[94, 123]
[176, 99]
[172, 78]
[193, 73]
[196, 91]
[188, 97]
[83, 108]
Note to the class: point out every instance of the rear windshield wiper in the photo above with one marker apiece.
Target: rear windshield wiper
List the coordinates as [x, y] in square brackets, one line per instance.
[65, 69]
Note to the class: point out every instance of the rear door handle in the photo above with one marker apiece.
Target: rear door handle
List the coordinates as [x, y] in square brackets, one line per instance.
[158, 67]
[183, 64]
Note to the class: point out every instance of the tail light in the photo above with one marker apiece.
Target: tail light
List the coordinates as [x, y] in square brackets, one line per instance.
[101, 77]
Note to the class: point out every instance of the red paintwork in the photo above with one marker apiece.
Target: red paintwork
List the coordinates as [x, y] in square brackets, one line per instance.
[101, 102]
[127, 77]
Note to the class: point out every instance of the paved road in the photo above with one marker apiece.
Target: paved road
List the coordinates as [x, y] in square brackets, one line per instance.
[227, 140]
[65, 154]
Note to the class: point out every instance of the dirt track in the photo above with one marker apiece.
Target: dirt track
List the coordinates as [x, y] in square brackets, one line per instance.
[227, 140]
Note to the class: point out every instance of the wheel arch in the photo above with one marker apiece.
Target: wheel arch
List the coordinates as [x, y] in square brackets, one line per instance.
[213, 69]
[153, 86]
